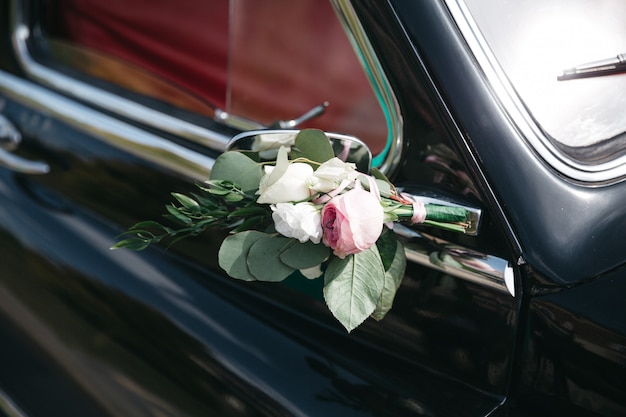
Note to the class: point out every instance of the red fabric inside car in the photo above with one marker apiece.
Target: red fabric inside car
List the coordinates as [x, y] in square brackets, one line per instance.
[183, 41]
[285, 57]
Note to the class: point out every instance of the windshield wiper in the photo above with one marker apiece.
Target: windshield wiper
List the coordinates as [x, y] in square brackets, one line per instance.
[610, 66]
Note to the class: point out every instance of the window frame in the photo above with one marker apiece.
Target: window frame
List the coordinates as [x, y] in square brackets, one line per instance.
[596, 174]
[23, 32]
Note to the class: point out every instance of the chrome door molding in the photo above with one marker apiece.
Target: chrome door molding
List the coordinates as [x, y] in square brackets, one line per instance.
[486, 270]
[106, 128]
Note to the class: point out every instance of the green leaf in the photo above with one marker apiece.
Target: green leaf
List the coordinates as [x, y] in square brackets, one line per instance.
[249, 223]
[132, 244]
[393, 279]
[387, 244]
[187, 202]
[312, 144]
[148, 224]
[353, 286]
[384, 189]
[238, 168]
[264, 259]
[305, 255]
[233, 253]
[177, 215]
[250, 211]
[233, 197]
[376, 173]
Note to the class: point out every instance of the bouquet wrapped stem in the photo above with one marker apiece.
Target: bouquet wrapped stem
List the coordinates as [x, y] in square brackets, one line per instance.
[311, 212]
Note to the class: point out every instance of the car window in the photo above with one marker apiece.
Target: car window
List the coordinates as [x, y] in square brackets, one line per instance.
[535, 42]
[143, 47]
[258, 61]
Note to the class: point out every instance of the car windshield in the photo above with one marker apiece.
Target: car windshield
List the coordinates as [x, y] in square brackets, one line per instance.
[537, 42]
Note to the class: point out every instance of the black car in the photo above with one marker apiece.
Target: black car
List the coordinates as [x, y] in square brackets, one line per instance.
[108, 107]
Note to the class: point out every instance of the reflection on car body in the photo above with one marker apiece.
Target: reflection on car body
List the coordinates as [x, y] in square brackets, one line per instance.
[525, 317]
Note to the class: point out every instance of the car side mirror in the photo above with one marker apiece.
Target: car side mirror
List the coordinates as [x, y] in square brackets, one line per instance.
[267, 142]
[350, 149]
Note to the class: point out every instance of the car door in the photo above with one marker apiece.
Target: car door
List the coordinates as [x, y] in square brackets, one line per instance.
[117, 105]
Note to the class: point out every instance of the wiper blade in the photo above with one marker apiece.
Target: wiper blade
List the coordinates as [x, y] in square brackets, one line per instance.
[610, 66]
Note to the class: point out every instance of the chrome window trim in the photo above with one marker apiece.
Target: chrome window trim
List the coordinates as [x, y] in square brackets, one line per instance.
[606, 172]
[122, 135]
[389, 160]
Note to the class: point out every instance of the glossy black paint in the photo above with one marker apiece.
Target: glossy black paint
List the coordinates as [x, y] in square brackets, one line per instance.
[572, 343]
[92, 332]
[565, 230]
[575, 355]
[151, 321]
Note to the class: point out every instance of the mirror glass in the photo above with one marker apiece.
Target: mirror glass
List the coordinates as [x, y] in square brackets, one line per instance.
[267, 142]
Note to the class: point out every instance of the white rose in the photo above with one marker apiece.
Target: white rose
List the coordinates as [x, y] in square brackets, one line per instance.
[330, 174]
[300, 221]
[285, 182]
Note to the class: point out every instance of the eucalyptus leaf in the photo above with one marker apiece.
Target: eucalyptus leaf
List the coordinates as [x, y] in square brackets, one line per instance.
[233, 253]
[376, 173]
[353, 286]
[264, 259]
[384, 189]
[305, 255]
[238, 168]
[312, 144]
[393, 279]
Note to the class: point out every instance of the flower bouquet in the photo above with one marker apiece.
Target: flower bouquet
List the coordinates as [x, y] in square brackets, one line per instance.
[308, 211]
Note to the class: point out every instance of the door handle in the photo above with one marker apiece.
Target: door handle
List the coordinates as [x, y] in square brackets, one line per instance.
[10, 139]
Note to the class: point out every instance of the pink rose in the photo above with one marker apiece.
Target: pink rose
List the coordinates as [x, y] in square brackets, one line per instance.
[352, 222]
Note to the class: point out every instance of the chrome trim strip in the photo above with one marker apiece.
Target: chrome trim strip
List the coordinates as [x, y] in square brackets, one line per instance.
[102, 98]
[8, 406]
[486, 270]
[108, 129]
[592, 173]
[391, 156]
[10, 139]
